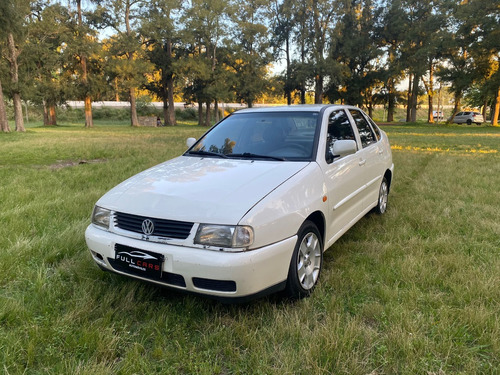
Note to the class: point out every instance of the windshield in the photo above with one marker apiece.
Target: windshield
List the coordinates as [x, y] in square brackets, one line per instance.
[261, 135]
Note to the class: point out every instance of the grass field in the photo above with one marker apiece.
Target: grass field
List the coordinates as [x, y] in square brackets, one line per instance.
[416, 291]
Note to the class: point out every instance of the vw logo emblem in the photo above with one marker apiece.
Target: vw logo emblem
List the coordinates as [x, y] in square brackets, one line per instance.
[148, 227]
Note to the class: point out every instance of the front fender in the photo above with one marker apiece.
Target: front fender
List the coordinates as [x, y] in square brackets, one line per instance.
[280, 214]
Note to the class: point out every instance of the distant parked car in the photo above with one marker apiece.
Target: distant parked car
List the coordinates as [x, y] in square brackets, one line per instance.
[468, 118]
[250, 207]
[438, 115]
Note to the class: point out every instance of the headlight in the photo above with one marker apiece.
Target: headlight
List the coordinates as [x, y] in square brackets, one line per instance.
[225, 236]
[100, 217]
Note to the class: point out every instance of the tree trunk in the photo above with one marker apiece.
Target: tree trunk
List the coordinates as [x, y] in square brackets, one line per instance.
[117, 93]
[45, 114]
[165, 111]
[408, 99]
[318, 90]
[456, 107]
[14, 75]
[496, 109]
[414, 99]
[134, 121]
[302, 61]
[200, 113]
[288, 91]
[170, 119]
[52, 115]
[390, 100]
[4, 124]
[18, 112]
[89, 121]
[430, 94]
[216, 111]
[207, 114]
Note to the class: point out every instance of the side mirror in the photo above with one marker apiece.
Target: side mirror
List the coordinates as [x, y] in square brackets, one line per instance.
[190, 142]
[344, 147]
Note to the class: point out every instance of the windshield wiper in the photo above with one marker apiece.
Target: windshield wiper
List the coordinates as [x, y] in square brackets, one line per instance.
[206, 153]
[249, 155]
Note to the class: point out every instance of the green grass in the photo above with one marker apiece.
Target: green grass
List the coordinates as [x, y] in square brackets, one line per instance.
[416, 291]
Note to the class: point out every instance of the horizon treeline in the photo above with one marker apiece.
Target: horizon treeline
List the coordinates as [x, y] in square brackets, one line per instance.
[357, 52]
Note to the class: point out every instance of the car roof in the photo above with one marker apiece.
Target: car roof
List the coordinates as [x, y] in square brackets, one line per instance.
[295, 108]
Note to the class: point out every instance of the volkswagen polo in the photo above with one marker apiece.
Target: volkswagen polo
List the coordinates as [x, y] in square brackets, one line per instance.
[250, 207]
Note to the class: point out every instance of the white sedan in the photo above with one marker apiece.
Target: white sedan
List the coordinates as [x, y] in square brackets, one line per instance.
[250, 207]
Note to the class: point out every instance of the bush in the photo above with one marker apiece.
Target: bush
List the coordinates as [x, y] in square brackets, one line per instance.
[107, 113]
[186, 114]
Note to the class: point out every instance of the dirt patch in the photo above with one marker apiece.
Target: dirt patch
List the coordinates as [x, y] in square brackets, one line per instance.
[72, 163]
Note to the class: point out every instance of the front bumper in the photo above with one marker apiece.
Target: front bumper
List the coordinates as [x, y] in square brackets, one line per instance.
[214, 273]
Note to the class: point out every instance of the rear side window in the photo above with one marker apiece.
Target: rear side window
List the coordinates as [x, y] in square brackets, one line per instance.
[365, 131]
[375, 128]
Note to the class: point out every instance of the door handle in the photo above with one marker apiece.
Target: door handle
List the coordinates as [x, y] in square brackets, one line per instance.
[362, 162]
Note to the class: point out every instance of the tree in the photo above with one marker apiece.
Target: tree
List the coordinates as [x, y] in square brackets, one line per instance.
[281, 15]
[421, 22]
[43, 60]
[84, 44]
[127, 60]
[321, 19]
[483, 30]
[252, 50]
[390, 32]
[4, 124]
[159, 29]
[15, 40]
[459, 67]
[205, 29]
[354, 47]
[6, 14]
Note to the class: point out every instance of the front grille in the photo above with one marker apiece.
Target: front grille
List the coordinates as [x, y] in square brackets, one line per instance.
[162, 228]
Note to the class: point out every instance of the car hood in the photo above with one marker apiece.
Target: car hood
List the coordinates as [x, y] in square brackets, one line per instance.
[207, 190]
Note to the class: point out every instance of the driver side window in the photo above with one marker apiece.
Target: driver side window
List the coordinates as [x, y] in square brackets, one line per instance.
[339, 128]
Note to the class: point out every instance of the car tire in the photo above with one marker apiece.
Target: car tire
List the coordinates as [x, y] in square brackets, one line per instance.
[469, 122]
[383, 195]
[307, 260]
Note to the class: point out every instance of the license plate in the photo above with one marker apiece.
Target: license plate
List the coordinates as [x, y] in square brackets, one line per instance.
[139, 262]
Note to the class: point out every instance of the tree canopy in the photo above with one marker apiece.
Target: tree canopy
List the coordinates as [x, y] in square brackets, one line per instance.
[358, 52]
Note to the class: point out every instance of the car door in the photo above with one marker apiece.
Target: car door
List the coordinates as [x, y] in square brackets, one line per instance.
[459, 118]
[343, 177]
[371, 159]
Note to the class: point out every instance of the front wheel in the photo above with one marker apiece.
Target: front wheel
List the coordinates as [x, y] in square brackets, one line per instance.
[383, 195]
[307, 260]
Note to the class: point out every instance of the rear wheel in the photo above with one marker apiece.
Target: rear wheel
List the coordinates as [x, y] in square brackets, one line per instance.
[469, 122]
[307, 260]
